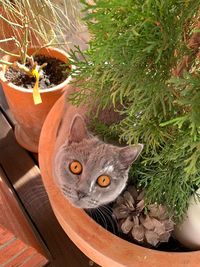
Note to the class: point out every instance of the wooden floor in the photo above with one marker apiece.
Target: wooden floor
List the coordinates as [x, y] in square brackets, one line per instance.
[21, 170]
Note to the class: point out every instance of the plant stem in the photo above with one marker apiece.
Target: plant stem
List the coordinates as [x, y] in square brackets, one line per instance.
[17, 65]
[5, 62]
[22, 67]
[8, 53]
[25, 42]
[10, 22]
[7, 40]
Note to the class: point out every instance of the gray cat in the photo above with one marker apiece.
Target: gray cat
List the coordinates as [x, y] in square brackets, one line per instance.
[89, 172]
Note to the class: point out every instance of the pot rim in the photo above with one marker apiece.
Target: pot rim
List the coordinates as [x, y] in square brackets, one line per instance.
[96, 242]
[30, 91]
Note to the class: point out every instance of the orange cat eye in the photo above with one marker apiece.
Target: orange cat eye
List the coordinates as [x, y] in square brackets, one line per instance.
[75, 167]
[103, 181]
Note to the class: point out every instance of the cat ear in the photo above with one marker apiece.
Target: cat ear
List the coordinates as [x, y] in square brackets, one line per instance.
[78, 130]
[128, 154]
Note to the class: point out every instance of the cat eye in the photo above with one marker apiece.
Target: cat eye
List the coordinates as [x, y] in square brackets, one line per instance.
[75, 167]
[103, 181]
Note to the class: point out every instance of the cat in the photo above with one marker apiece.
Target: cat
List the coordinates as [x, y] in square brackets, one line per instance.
[89, 172]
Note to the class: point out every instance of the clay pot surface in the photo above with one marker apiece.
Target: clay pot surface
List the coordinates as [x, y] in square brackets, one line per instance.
[98, 244]
[30, 117]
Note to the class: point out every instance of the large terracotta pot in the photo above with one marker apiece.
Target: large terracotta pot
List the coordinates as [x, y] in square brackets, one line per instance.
[30, 117]
[97, 243]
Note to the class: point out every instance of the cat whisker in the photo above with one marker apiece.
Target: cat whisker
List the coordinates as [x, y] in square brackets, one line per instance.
[111, 219]
[93, 214]
[103, 217]
[106, 209]
[108, 214]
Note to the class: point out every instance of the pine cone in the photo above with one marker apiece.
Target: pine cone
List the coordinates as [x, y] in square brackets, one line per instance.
[151, 225]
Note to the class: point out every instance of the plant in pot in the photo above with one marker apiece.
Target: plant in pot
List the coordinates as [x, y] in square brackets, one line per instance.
[32, 28]
[143, 59]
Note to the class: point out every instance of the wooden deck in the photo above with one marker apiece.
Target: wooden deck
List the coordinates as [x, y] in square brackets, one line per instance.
[22, 172]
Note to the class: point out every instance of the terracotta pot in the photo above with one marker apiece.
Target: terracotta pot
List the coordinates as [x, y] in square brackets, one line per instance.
[97, 243]
[30, 117]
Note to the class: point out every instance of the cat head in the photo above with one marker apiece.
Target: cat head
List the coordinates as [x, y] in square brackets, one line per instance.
[91, 173]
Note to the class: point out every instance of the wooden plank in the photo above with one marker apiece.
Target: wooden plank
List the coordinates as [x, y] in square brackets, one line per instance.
[12, 216]
[25, 178]
[15, 253]
[5, 108]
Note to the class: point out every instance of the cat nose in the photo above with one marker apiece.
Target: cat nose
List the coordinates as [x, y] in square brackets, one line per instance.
[81, 194]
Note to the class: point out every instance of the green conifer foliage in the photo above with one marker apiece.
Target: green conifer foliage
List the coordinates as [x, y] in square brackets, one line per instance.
[135, 46]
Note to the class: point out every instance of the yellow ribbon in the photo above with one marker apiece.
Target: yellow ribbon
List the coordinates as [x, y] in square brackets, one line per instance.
[36, 93]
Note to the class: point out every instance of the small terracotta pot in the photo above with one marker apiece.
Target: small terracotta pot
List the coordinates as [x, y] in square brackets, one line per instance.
[30, 117]
[98, 244]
